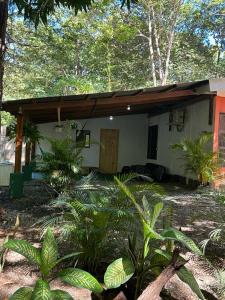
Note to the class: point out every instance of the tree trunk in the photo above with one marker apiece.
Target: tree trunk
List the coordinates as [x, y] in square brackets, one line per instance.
[151, 50]
[3, 25]
[109, 68]
[157, 45]
[174, 17]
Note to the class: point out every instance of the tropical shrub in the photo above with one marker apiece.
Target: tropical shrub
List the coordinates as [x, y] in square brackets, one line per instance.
[46, 258]
[148, 256]
[117, 273]
[31, 132]
[91, 223]
[62, 164]
[220, 276]
[95, 221]
[198, 160]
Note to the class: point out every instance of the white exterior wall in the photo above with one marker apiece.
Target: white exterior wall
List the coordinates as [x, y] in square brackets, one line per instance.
[196, 121]
[133, 138]
[7, 148]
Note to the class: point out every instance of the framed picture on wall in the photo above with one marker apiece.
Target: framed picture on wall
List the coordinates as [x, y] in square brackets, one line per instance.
[83, 138]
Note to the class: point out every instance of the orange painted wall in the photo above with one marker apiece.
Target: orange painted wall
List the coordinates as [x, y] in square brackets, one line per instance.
[219, 107]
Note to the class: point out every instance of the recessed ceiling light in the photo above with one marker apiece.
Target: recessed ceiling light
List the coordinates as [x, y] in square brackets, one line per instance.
[128, 107]
[111, 118]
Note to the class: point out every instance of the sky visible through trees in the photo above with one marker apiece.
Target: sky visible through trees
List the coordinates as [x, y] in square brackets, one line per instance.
[109, 48]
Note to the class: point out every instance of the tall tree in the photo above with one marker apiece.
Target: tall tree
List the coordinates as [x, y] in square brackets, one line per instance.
[3, 26]
[160, 24]
[102, 50]
[34, 12]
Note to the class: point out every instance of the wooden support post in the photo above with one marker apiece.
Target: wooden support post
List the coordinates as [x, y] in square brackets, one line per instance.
[27, 153]
[19, 143]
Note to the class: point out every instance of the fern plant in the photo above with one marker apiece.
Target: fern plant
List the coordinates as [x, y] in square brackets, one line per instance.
[62, 164]
[90, 223]
[198, 160]
[220, 276]
[149, 257]
[31, 132]
[95, 221]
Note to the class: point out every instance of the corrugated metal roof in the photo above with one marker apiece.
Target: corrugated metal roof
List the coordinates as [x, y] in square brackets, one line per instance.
[146, 100]
[173, 87]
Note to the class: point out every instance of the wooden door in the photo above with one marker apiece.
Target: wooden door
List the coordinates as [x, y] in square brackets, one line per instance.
[109, 140]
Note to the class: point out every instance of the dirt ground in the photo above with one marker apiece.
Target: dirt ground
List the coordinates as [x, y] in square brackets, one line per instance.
[196, 213]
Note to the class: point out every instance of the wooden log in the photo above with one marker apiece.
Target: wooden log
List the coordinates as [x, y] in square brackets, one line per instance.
[152, 292]
[19, 142]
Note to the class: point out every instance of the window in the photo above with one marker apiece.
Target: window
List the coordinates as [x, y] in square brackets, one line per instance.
[83, 138]
[152, 142]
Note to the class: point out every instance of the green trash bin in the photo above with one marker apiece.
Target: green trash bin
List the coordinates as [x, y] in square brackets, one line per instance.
[27, 172]
[16, 185]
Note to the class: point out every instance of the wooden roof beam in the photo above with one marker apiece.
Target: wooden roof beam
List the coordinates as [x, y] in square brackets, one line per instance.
[126, 100]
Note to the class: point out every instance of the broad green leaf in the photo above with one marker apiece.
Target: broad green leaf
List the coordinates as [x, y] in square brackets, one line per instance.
[161, 259]
[118, 272]
[41, 291]
[23, 293]
[82, 279]
[186, 276]
[150, 233]
[166, 256]
[60, 295]
[26, 249]
[147, 209]
[49, 252]
[158, 262]
[156, 212]
[179, 236]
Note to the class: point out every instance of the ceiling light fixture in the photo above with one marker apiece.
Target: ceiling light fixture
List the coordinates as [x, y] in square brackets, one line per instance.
[128, 107]
[111, 118]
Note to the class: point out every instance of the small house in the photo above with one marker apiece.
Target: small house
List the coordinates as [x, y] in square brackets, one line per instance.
[128, 128]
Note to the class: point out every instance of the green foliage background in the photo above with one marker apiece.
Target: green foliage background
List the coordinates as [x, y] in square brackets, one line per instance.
[102, 50]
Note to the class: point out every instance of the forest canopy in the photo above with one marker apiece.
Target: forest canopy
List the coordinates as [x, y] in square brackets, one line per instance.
[113, 48]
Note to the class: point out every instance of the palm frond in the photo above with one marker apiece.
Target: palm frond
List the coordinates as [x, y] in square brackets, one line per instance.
[197, 157]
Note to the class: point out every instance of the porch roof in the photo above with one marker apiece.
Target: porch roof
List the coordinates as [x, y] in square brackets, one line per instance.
[149, 100]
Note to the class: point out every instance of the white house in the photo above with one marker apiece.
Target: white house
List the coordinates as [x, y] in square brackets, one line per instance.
[132, 127]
